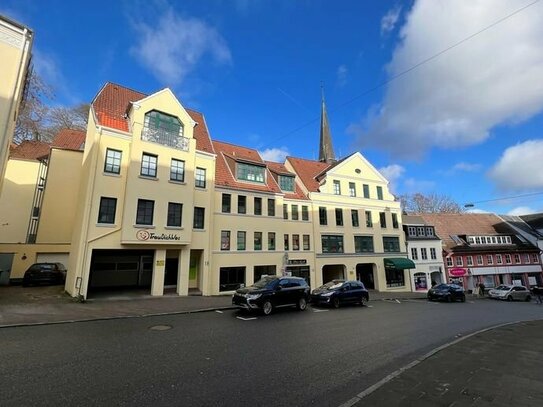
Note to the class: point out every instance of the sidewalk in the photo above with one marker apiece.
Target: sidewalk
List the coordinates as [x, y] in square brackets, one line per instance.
[498, 367]
[42, 305]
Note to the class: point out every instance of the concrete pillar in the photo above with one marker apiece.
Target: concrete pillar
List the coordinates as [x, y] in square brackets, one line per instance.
[183, 271]
[159, 266]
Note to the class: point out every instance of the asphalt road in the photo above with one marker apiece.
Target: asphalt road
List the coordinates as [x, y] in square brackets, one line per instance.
[291, 358]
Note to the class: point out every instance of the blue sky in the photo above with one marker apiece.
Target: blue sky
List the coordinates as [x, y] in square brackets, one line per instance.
[466, 123]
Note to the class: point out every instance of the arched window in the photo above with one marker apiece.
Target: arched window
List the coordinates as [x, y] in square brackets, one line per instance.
[164, 129]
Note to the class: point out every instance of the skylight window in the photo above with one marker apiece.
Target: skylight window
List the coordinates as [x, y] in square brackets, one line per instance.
[248, 172]
[286, 183]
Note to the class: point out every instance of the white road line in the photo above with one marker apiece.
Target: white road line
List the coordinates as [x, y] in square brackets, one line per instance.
[320, 310]
[369, 306]
[246, 319]
[220, 312]
[398, 301]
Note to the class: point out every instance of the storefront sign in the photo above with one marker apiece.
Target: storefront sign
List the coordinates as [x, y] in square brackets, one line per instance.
[458, 272]
[297, 262]
[145, 235]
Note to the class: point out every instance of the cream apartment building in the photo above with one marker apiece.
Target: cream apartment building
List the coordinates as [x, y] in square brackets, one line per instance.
[156, 204]
[15, 54]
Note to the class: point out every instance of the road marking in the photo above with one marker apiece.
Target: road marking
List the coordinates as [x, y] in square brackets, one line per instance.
[246, 319]
[398, 301]
[220, 312]
[320, 310]
[369, 306]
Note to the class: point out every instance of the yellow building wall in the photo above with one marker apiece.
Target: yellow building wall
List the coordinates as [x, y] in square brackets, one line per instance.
[60, 197]
[15, 47]
[16, 199]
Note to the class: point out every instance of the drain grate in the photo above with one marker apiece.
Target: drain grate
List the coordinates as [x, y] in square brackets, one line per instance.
[160, 328]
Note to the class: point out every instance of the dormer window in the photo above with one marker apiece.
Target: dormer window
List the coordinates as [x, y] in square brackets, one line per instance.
[248, 172]
[164, 129]
[286, 183]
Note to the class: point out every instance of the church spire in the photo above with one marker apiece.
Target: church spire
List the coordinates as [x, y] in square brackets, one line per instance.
[326, 150]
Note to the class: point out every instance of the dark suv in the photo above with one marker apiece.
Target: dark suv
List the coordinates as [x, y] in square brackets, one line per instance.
[273, 292]
[49, 273]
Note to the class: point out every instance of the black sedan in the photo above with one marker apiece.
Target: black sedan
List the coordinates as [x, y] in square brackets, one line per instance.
[446, 292]
[337, 292]
[47, 273]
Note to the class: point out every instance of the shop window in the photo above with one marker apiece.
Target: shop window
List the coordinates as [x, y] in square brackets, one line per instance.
[395, 278]
[391, 244]
[420, 281]
[363, 244]
[260, 271]
[231, 278]
[332, 244]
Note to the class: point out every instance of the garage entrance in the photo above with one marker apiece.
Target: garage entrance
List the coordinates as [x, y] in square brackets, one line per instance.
[333, 272]
[120, 269]
[365, 273]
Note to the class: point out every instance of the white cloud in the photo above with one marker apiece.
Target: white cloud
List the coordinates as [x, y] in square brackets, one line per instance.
[274, 154]
[392, 173]
[468, 167]
[342, 73]
[519, 167]
[521, 210]
[389, 20]
[455, 99]
[171, 46]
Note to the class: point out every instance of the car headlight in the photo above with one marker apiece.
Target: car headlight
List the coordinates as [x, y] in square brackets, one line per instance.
[327, 294]
[253, 296]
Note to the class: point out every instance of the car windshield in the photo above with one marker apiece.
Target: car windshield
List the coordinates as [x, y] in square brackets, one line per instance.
[503, 288]
[264, 281]
[441, 287]
[332, 285]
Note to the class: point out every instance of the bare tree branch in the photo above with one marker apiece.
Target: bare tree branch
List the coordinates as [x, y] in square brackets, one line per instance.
[432, 203]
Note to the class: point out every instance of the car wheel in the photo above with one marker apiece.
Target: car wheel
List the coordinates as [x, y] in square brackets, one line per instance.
[528, 298]
[267, 307]
[463, 298]
[362, 299]
[509, 298]
[335, 302]
[302, 304]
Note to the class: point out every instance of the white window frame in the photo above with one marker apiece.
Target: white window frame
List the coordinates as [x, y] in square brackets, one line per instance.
[480, 260]
[489, 259]
[469, 260]
[499, 259]
[459, 262]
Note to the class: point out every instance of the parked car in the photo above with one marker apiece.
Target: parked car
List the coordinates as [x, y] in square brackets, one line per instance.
[510, 293]
[273, 292]
[446, 292]
[337, 292]
[45, 273]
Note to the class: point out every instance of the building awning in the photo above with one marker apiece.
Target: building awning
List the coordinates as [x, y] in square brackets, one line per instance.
[399, 263]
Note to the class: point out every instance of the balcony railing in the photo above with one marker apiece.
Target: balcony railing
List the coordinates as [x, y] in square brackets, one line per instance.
[165, 138]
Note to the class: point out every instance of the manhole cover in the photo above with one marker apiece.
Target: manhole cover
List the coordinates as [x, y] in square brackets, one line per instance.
[160, 327]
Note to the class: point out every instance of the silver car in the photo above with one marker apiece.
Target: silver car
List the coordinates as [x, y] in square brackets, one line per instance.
[510, 293]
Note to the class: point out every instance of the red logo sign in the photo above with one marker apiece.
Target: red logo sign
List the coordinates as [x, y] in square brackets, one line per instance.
[142, 235]
[457, 272]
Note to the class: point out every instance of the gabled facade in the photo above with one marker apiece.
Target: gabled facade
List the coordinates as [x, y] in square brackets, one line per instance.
[145, 200]
[424, 248]
[357, 223]
[482, 248]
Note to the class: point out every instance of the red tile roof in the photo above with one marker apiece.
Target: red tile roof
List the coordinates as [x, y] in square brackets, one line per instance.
[280, 169]
[30, 150]
[69, 139]
[307, 170]
[447, 224]
[227, 154]
[112, 102]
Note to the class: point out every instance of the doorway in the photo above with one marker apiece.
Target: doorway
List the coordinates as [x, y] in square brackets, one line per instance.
[333, 272]
[364, 273]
